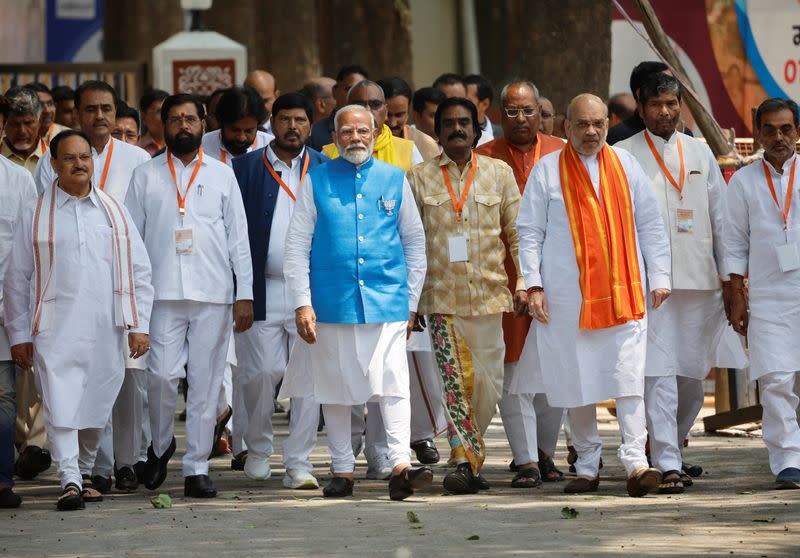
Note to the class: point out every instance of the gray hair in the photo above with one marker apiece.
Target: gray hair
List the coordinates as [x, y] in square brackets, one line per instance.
[23, 101]
[525, 82]
[351, 108]
[363, 84]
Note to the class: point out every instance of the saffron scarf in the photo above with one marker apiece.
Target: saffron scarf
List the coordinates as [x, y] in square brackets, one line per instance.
[604, 236]
[44, 261]
[395, 151]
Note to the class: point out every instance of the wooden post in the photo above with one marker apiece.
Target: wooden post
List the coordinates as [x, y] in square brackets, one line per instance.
[711, 130]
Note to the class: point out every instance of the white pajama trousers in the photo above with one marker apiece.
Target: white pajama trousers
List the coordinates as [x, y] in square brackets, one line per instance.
[780, 393]
[262, 353]
[529, 420]
[396, 417]
[671, 405]
[73, 451]
[187, 338]
[586, 438]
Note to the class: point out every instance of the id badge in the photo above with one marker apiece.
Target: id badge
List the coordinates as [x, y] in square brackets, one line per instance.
[184, 242]
[685, 220]
[788, 256]
[457, 248]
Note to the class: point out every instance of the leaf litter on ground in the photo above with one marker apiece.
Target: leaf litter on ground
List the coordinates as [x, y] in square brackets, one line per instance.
[161, 501]
[569, 513]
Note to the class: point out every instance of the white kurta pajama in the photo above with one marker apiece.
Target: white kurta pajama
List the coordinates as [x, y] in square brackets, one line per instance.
[581, 367]
[754, 230]
[684, 333]
[193, 292]
[79, 356]
[351, 364]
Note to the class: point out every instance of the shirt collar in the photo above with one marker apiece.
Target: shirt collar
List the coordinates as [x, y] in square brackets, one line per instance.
[105, 148]
[176, 161]
[487, 124]
[62, 197]
[786, 165]
[6, 151]
[274, 160]
[660, 142]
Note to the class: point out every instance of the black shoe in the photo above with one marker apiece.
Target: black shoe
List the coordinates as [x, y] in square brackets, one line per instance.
[339, 487]
[102, 484]
[426, 451]
[199, 486]
[480, 482]
[182, 416]
[71, 498]
[513, 467]
[237, 463]
[140, 469]
[32, 461]
[460, 481]
[403, 485]
[127, 481]
[789, 478]
[156, 470]
[693, 471]
[8, 499]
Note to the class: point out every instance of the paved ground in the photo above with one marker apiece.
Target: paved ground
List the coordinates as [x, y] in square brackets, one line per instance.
[731, 510]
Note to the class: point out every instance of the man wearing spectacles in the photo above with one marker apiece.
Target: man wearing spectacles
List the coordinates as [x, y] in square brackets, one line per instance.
[126, 124]
[531, 424]
[188, 207]
[48, 128]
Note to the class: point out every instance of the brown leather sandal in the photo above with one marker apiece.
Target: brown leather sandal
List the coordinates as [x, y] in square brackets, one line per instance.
[70, 499]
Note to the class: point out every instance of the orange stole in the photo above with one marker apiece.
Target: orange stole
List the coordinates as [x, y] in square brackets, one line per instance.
[605, 240]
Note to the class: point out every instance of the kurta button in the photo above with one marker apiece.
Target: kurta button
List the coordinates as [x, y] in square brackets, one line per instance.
[361, 282]
[269, 195]
[359, 196]
[358, 175]
[360, 215]
[361, 239]
[361, 260]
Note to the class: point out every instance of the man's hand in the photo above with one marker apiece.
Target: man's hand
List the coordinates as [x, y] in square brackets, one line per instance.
[727, 297]
[520, 303]
[22, 354]
[659, 296]
[306, 321]
[739, 316]
[139, 344]
[242, 315]
[537, 307]
[412, 322]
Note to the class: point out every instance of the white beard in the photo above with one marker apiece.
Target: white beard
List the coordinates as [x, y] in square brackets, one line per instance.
[357, 157]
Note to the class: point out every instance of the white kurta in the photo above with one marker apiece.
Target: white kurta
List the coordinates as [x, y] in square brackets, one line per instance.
[79, 359]
[580, 367]
[754, 228]
[212, 145]
[683, 335]
[17, 190]
[369, 360]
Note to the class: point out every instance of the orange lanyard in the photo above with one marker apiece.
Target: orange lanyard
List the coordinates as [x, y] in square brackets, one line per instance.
[44, 146]
[278, 178]
[108, 164]
[788, 204]
[223, 156]
[182, 199]
[664, 169]
[458, 205]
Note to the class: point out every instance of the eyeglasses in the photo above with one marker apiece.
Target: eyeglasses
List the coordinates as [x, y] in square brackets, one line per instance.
[514, 112]
[345, 133]
[70, 159]
[191, 120]
[374, 104]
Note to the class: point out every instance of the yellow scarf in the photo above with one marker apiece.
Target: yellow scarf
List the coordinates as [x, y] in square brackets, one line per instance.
[389, 149]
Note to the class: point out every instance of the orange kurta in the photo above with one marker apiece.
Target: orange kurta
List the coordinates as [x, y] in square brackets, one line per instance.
[515, 330]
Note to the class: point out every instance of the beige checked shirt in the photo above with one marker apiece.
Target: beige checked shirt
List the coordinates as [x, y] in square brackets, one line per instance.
[478, 286]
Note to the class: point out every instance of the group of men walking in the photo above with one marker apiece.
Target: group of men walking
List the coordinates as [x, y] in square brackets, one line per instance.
[529, 273]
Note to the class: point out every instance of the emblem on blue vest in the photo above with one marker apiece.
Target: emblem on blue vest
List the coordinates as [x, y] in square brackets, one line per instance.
[388, 206]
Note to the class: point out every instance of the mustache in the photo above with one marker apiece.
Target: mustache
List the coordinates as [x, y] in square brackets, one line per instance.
[455, 135]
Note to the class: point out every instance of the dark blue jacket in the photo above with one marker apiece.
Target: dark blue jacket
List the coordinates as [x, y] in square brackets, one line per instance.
[259, 193]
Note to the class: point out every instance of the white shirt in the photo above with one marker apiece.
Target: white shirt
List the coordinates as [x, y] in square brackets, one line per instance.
[215, 215]
[416, 156]
[753, 231]
[297, 254]
[124, 158]
[284, 207]
[212, 145]
[487, 132]
[17, 190]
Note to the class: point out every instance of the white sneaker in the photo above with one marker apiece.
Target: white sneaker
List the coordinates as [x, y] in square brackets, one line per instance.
[257, 468]
[300, 480]
[380, 469]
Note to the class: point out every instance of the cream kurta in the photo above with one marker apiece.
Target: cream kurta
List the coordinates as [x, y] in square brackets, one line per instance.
[753, 230]
[79, 360]
[579, 366]
[684, 334]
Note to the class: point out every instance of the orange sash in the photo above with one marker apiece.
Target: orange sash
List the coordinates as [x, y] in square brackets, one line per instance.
[605, 240]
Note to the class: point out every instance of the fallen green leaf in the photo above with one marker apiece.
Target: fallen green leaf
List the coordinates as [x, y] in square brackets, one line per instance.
[249, 526]
[473, 538]
[161, 501]
[569, 513]
[764, 520]
[595, 498]
[412, 517]
[228, 496]
[415, 526]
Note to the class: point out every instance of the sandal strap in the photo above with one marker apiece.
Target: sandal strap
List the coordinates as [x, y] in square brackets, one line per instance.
[527, 474]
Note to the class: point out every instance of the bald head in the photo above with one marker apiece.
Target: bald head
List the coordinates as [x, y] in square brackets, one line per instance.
[320, 91]
[587, 124]
[264, 84]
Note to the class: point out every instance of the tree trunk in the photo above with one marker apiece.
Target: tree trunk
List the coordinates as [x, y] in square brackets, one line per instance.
[563, 46]
[132, 29]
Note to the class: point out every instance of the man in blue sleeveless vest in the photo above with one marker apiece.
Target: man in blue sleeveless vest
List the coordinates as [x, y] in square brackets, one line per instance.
[355, 264]
[270, 180]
